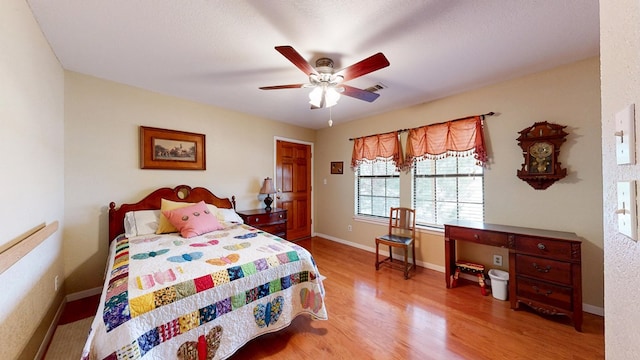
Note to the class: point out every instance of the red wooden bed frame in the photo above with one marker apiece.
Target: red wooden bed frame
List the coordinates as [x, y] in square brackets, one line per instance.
[183, 193]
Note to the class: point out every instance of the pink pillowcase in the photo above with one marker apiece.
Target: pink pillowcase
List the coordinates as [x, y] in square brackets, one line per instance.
[193, 220]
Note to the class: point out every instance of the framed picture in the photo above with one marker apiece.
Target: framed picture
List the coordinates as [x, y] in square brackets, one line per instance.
[171, 149]
[336, 167]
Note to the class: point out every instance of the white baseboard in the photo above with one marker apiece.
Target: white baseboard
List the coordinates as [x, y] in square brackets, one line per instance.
[49, 335]
[591, 309]
[52, 327]
[373, 250]
[83, 294]
[595, 310]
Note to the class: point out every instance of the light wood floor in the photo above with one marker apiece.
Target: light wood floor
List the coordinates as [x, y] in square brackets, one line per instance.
[379, 315]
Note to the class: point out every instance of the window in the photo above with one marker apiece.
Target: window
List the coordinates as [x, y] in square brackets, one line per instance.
[377, 188]
[442, 190]
[448, 189]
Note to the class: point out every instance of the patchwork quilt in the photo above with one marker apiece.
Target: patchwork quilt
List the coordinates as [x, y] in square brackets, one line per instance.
[168, 297]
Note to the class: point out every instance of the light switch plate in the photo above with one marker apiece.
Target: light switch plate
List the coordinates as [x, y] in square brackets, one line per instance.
[625, 136]
[627, 217]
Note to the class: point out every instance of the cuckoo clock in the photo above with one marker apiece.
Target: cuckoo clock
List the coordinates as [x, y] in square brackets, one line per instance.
[540, 145]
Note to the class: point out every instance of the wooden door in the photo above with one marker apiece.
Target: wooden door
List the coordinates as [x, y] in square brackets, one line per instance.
[293, 182]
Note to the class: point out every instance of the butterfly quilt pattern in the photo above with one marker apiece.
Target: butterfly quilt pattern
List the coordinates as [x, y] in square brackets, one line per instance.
[171, 297]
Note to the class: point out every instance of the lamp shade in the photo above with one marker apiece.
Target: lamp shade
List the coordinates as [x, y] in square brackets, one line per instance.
[267, 187]
[315, 96]
[331, 95]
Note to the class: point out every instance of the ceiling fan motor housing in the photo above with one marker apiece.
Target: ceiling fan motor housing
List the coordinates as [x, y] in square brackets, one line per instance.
[324, 67]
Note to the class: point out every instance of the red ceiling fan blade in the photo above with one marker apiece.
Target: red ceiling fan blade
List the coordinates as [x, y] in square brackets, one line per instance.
[370, 64]
[277, 87]
[359, 93]
[297, 59]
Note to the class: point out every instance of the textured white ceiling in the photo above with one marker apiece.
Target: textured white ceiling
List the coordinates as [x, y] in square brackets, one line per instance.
[220, 52]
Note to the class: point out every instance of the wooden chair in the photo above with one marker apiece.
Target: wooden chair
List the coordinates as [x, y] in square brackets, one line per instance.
[401, 234]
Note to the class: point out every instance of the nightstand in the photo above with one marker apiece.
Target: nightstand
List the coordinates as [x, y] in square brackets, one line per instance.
[274, 221]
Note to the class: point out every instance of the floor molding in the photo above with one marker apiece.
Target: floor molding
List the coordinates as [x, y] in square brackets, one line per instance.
[373, 250]
[52, 328]
[83, 294]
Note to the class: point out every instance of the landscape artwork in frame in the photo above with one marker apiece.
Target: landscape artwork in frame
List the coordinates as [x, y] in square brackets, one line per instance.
[171, 149]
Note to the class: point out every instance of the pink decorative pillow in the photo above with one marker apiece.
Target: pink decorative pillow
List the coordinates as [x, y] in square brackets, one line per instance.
[193, 220]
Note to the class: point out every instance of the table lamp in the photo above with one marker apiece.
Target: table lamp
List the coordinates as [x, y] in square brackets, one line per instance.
[267, 188]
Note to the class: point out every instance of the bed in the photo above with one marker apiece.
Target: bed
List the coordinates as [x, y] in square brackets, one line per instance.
[202, 291]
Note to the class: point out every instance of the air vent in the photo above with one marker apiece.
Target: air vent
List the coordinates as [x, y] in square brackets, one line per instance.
[375, 88]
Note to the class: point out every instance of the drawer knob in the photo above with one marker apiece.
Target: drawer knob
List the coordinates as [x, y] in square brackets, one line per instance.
[257, 219]
[546, 293]
[541, 246]
[546, 269]
[476, 236]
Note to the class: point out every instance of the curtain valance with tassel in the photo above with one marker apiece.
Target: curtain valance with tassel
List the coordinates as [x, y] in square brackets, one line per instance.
[463, 137]
[377, 147]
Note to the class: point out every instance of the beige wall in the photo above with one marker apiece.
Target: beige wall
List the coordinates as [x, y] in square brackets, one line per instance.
[102, 160]
[81, 152]
[620, 45]
[31, 143]
[568, 95]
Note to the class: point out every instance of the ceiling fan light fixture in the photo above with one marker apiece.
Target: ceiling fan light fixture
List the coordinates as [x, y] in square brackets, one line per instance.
[336, 79]
[315, 96]
[314, 79]
[331, 96]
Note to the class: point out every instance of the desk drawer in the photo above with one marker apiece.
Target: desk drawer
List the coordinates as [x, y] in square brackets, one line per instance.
[545, 269]
[544, 247]
[543, 292]
[275, 229]
[479, 236]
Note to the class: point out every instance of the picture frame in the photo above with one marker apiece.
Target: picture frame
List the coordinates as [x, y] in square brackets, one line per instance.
[337, 167]
[171, 149]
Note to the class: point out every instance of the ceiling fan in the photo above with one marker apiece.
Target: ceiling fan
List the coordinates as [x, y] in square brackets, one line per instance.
[328, 84]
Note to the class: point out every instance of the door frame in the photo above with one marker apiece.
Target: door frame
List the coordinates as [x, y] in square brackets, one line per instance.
[274, 171]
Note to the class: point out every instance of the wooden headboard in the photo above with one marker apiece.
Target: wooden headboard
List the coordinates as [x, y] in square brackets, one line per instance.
[152, 201]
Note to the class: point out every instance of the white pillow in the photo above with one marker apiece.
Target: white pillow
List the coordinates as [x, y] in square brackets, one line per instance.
[141, 222]
[229, 215]
[145, 222]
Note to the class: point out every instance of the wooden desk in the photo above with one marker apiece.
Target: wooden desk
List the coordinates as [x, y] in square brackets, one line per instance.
[545, 271]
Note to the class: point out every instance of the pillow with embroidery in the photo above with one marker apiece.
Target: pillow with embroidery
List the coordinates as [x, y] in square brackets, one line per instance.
[193, 220]
[164, 225]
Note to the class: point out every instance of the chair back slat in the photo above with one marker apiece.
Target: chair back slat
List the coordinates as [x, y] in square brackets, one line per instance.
[402, 221]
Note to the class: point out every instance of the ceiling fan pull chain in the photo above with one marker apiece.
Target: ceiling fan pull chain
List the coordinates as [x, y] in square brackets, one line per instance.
[330, 121]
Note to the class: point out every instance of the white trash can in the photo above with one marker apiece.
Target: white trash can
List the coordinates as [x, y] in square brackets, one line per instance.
[499, 284]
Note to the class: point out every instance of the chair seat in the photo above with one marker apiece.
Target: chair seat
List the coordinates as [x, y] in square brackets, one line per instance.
[396, 238]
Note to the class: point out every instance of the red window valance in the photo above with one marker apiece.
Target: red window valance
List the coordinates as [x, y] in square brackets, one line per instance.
[462, 137]
[377, 147]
